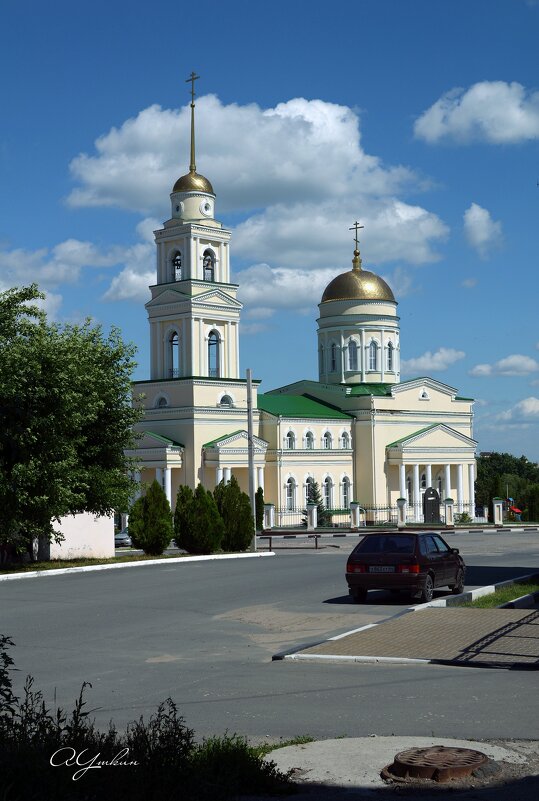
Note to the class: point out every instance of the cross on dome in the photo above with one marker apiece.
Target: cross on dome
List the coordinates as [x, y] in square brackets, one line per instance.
[356, 261]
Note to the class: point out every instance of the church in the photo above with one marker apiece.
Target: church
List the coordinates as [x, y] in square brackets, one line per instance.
[359, 432]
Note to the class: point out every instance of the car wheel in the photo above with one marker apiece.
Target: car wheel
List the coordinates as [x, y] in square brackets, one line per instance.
[359, 596]
[427, 592]
[458, 586]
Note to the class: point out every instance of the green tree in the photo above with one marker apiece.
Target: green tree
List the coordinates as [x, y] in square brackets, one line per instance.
[235, 509]
[204, 529]
[314, 495]
[150, 521]
[499, 472]
[259, 509]
[66, 417]
[184, 502]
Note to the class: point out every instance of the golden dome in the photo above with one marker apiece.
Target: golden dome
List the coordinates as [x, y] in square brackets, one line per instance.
[193, 182]
[358, 284]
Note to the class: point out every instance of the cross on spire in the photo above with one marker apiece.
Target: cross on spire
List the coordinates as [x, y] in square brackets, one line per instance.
[356, 226]
[193, 77]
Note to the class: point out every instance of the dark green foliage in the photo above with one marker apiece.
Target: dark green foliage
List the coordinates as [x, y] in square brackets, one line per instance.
[203, 529]
[502, 475]
[150, 521]
[67, 416]
[160, 758]
[259, 509]
[323, 516]
[235, 509]
[184, 502]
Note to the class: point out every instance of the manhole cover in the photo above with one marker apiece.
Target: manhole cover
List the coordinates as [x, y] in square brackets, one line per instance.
[439, 762]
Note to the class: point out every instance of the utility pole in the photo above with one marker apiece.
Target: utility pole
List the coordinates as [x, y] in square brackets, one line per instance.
[251, 451]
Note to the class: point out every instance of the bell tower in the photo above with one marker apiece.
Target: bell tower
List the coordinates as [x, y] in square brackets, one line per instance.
[194, 312]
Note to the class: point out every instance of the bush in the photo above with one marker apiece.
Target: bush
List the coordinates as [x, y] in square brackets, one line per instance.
[150, 521]
[235, 509]
[184, 502]
[259, 509]
[463, 519]
[202, 527]
[323, 518]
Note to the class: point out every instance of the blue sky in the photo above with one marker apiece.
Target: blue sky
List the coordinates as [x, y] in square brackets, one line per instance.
[420, 119]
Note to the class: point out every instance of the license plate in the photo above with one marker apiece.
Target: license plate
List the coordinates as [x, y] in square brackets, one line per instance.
[381, 569]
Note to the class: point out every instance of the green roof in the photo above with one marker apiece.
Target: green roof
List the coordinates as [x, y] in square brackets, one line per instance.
[301, 406]
[164, 439]
[220, 439]
[414, 434]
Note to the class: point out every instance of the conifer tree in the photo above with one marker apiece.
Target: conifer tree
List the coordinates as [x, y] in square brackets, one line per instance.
[323, 516]
[235, 509]
[259, 509]
[150, 521]
[184, 503]
[205, 529]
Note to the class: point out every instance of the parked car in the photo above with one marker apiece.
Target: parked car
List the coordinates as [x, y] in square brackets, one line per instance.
[122, 539]
[413, 561]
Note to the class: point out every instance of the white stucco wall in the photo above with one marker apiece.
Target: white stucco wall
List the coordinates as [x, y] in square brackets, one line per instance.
[86, 536]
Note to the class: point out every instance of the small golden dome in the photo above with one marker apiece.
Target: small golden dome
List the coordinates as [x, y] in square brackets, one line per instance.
[358, 285]
[193, 182]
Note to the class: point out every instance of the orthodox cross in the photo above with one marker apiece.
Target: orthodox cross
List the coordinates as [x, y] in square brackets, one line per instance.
[194, 77]
[356, 226]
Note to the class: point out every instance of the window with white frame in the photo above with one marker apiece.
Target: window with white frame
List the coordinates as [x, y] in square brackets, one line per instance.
[333, 360]
[226, 400]
[373, 356]
[208, 265]
[213, 354]
[326, 441]
[290, 494]
[352, 355]
[177, 266]
[290, 440]
[345, 440]
[309, 485]
[345, 489]
[390, 357]
[309, 440]
[328, 492]
[161, 402]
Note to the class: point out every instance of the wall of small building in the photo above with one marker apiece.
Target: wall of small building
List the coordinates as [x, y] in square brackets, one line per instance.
[85, 536]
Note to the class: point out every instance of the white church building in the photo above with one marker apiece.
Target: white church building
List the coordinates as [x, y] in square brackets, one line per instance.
[359, 431]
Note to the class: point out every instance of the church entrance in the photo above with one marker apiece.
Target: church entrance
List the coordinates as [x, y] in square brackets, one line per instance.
[431, 506]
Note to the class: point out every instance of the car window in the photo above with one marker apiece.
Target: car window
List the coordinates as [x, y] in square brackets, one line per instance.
[381, 543]
[442, 546]
[431, 544]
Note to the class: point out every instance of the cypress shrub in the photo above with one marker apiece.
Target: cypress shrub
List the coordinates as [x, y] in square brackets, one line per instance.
[203, 530]
[259, 509]
[235, 509]
[150, 521]
[184, 502]
[323, 518]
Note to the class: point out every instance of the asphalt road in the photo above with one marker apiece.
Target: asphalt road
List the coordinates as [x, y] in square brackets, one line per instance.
[204, 634]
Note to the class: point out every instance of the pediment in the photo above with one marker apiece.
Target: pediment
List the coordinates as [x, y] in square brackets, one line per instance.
[238, 439]
[418, 384]
[166, 297]
[434, 438]
[151, 441]
[216, 297]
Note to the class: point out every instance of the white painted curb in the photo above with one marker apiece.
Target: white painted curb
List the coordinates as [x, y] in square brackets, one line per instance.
[172, 561]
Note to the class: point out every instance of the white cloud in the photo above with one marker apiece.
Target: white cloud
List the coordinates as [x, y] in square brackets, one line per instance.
[526, 410]
[490, 111]
[432, 362]
[282, 288]
[469, 283]
[514, 365]
[481, 231]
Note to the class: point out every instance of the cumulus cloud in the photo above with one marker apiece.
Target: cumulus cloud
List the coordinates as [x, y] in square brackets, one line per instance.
[489, 111]
[432, 362]
[262, 286]
[526, 410]
[469, 283]
[514, 365]
[481, 231]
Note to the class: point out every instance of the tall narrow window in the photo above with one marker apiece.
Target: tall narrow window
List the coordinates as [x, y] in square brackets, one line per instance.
[345, 493]
[327, 492]
[309, 440]
[290, 440]
[352, 355]
[321, 359]
[290, 494]
[174, 346]
[409, 489]
[177, 266]
[333, 358]
[423, 481]
[309, 486]
[326, 441]
[208, 265]
[345, 440]
[390, 357]
[213, 355]
[373, 356]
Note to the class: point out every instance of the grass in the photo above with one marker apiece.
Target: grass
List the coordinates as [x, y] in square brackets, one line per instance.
[263, 749]
[55, 564]
[503, 595]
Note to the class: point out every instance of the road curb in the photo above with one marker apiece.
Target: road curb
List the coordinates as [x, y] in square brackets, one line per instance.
[142, 563]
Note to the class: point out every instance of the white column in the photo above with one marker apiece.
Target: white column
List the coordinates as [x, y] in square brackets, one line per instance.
[159, 475]
[201, 351]
[227, 371]
[402, 480]
[362, 354]
[428, 474]
[342, 359]
[471, 489]
[383, 355]
[448, 481]
[218, 475]
[191, 368]
[168, 484]
[416, 491]
[260, 477]
[327, 357]
[237, 341]
[227, 474]
[459, 488]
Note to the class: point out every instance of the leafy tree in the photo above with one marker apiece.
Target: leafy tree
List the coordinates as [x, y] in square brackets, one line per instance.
[150, 521]
[184, 502]
[259, 509]
[314, 495]
[235, 509]
[203, 530]
[499, 472]
[66, 417]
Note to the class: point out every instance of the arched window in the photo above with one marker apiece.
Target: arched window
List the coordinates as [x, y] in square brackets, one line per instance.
[309, 489]
[345, 440]
[309, 440]
[321, 359]
[213, 354]
[333, 358]
[345, 493]
[290, 494]
[177, 266]
[226, 400]
[161, 403]
[423, 481]
[373, 356]
[326, 441]
[208, 265]
[352, 355]
[290, 440]
[328, 488]
[174, 355]
[390, 357]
